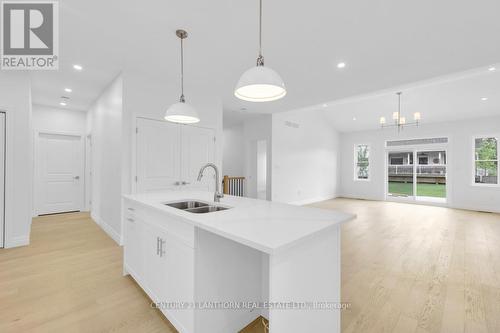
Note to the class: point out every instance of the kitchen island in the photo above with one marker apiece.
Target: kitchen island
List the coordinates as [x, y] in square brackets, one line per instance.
[218, 271]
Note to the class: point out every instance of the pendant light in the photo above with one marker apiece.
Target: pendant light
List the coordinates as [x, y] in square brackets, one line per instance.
[260, 84]
[182, 112]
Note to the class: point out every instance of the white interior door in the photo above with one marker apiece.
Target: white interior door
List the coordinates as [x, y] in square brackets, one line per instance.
[59, 172]
[197, 149]
[2, 178]
[157, 155]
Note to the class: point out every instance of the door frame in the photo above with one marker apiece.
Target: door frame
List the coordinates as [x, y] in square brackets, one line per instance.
[257, 174]
[3, 226]
[415, 149]
[36, 150]
[88, 173]
[8, 240]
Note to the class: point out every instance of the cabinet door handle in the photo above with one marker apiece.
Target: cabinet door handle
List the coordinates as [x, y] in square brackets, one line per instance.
[131, 209]
[130, 219]
[162, 242]
[158, 246]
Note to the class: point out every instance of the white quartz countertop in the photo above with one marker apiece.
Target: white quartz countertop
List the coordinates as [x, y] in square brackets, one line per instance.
[263, 225]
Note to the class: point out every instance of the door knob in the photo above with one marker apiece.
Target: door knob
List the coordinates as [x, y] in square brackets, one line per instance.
[76, 177]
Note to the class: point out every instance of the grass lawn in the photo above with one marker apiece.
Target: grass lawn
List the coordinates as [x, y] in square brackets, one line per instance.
[424, 190]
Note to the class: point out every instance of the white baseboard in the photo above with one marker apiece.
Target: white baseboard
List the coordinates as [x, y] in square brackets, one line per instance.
[107, 228]
[312, 200]
[476, 208]
[487, 209]
[17, 241]
[361, 197]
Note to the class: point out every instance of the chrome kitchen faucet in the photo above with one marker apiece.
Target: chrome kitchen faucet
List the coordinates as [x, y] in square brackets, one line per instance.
[218, 194]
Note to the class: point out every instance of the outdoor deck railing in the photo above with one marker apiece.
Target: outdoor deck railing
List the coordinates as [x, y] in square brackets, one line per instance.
[423, 170]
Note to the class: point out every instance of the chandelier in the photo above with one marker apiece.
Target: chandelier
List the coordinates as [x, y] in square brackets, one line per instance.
[400, 121]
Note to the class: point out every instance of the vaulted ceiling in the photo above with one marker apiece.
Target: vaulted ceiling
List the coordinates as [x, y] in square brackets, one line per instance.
[384, 43]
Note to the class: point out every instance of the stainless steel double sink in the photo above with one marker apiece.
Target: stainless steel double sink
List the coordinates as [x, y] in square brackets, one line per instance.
[196, 207]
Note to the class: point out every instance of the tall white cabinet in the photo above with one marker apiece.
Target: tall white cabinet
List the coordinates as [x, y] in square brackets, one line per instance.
[170, 155]
[2, 178]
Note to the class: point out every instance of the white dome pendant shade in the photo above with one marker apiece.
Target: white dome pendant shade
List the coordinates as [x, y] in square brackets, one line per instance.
[260, 84]
[182, 112]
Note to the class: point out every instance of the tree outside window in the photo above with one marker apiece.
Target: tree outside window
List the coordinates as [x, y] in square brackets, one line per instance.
[486, 160]
[362, 162]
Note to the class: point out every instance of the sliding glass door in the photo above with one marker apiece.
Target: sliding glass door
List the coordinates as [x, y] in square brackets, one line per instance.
[431, 176]
[417, 175]
[400, 174]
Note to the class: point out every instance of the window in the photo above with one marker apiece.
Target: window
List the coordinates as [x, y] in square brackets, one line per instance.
[396, 161]
[401, 159]
[423, 160]
[362, 162]
[486, 160]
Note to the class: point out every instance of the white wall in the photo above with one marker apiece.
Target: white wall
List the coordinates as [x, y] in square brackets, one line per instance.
[305, 157]
[46, 118]
[105, 127]
[233, 159]
[462, 194]
[15, 98]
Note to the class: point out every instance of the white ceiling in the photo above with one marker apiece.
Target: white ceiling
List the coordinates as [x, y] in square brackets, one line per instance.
[237, 117]
[443, 99]
[385, 43]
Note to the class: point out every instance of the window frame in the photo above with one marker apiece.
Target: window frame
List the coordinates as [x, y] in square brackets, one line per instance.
[356, 145]
[473, 179]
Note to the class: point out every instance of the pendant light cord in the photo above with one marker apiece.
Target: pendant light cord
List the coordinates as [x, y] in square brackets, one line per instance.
[260, 27]
[260, 59]
[399, 111]
[399, 106]
[182, 100]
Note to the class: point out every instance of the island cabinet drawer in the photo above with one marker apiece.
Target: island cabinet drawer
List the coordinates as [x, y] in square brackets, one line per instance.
[183, 231]
[129, 209]
[169, 223]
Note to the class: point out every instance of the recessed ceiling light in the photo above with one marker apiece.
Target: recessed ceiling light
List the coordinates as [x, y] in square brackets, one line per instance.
[325, 105]
[62, 103]
[341, 65]
[484, 98]
[354, 118]
[78, 67]
[68, 90]
[492, 69]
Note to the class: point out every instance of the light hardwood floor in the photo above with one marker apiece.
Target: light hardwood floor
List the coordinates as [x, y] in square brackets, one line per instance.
[412, 268]
[405, 268]
[69, 279]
